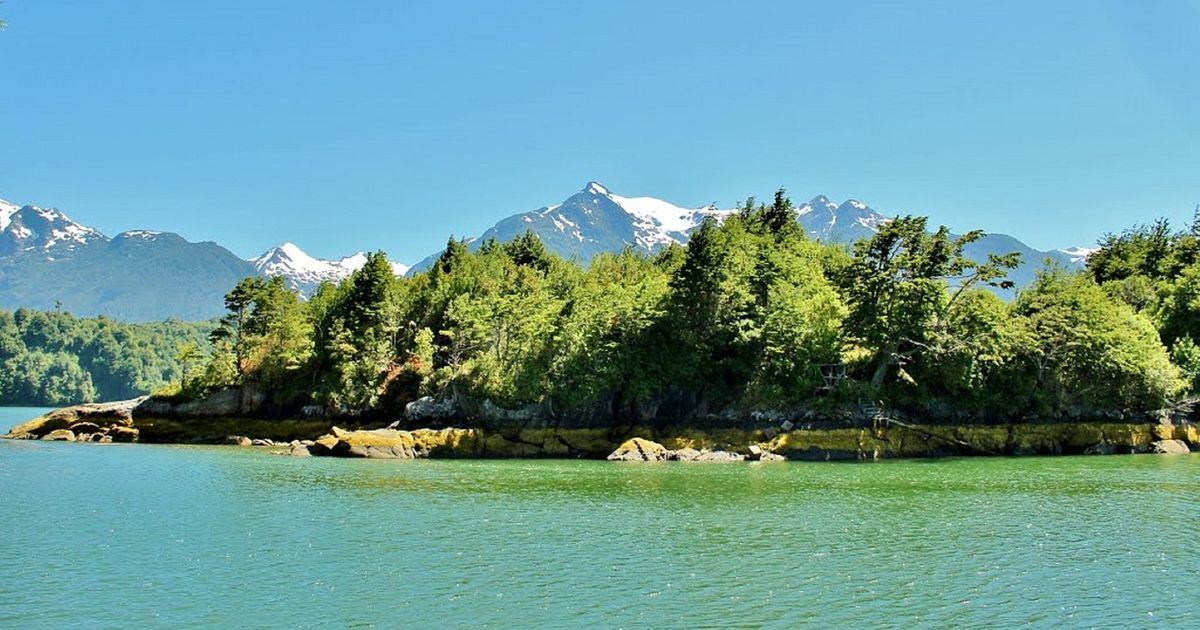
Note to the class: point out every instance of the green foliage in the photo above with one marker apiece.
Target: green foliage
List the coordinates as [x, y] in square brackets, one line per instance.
[904, 286]
[743, 317]
[1089, 349]
[52, 358]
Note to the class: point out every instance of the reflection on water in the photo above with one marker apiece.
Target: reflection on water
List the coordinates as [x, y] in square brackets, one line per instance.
[228, 536]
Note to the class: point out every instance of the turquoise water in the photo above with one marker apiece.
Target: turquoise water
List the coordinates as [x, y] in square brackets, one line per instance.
[163, 536]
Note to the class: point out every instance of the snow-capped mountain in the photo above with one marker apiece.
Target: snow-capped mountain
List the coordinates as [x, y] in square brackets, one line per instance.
[847, 222]
[30, 228]
[305, 273]
[596, 220]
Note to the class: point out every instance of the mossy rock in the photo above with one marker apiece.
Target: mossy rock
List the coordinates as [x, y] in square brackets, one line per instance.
[639, 450]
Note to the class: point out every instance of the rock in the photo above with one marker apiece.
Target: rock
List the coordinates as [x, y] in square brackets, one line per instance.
[99, 415]
[719, 456]
[104, 439]
[376, 444]
[427, 408]
[787, 425]
[262, 442]
[770, 433]
[237, 440]
[60, 435]
[692, 455]
[312, 412]
[768, 456]
[123, 434]
[84, 427]
[1165, 447]
[755, 452]
[685, 455]
[298, 450]
[639, 450]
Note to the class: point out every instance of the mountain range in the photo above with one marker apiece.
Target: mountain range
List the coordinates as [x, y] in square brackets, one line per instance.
[596, 220]
[48, 260]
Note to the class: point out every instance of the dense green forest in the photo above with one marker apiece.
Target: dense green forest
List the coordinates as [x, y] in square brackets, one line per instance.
[748, 316]
[55, 358]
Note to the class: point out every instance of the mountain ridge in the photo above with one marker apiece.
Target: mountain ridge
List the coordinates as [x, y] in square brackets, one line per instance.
[48, 259]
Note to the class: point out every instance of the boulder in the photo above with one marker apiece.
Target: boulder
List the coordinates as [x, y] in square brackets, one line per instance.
[1167, 447]
[299, 450]
[60, 435]
[787, 425]
[427, 408]
[720, 456]
[237, 440]
[639, 450]
[692, 455]
[376, 444]
[685, 455]
[262, 442]
[768, 456]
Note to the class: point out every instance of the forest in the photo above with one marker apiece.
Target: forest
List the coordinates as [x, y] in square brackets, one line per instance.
[55, 358]
[750, 315]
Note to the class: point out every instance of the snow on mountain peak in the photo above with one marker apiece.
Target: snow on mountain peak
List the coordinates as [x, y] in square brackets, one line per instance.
[596, 188]
[7, 210]
[30, 228]
[305, 273]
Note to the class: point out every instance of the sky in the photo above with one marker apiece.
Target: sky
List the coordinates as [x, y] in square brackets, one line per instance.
[346, 126]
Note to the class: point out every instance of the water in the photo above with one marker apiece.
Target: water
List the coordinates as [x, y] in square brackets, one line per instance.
[163, 536]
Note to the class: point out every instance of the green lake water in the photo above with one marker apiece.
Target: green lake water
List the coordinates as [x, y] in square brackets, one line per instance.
[172, 536]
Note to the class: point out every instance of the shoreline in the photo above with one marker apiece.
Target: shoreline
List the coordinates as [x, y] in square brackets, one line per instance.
[119, 422]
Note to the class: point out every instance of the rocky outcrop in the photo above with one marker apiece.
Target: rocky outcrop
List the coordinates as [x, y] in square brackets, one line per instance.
[430, 410]
[92, 422]
[227, 402]
[643, 450]
[639, 450]
[375, 444]
[1169, 447]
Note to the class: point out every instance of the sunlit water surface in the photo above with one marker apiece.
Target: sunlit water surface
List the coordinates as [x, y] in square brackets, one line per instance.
[136, 535]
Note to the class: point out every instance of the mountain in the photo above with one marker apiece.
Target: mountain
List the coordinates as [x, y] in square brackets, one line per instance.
[30, 228]
[850, 221]
[134, 276]
[596, 220]
[47, 259]
[304, 273]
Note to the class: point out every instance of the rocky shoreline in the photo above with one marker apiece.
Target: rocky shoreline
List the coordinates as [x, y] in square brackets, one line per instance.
[148, 420]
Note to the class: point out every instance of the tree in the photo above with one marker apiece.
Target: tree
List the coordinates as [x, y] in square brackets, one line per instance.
[231, 331]
[1089, 349]
[903, 286]
[188, 354]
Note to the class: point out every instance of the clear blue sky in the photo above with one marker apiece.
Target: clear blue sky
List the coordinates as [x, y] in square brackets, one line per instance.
[390, 125]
